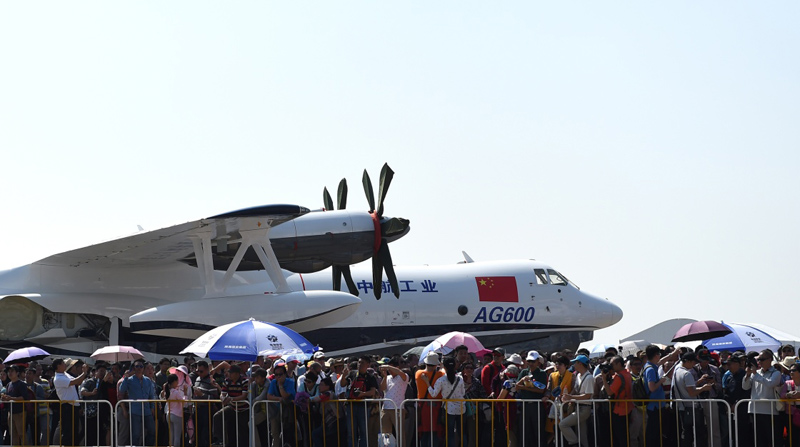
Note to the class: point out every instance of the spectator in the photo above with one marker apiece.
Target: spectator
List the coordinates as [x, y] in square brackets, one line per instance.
[16, 391]
[451, 387]
[230, 423]
[142, 415]
[362, 386]
[36, 420]
[281, 391]
[67, 390]
[583, 390]
[705, 372]
[90, 390]
[259, 387]
[473, 390]
[787, 350]
[330, 431]
[491, 370]
[792, 391]
[394, 383]
[532, 386]
[660, 427]
[636, 420]
[559, 380]
[763, 383]
[461, 355]
[690, 414]
[108, 392]
[174, 409]
[205, 388]
[619, 388]
[429, 412]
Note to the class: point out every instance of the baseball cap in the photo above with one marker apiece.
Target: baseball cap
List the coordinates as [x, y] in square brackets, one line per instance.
[689, 357]
[500, 351]
[533, 356]
[581, 358]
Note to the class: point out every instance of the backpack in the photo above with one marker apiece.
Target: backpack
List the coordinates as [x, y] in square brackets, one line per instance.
[641, 390]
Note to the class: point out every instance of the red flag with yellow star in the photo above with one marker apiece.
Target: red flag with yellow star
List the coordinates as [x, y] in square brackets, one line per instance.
[497, 288]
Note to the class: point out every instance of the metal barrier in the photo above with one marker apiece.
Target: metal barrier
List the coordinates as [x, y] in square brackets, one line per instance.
[685, 422]
[332, 423]
[773, 416]
[57, 422]
[161, 427]
[484, 422]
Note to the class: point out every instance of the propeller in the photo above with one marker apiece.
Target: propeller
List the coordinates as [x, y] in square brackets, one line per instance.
[381, 258]
[340, 270]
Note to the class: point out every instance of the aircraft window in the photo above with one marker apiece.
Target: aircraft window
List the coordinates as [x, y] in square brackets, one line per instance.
[541, 277]
[556, 279]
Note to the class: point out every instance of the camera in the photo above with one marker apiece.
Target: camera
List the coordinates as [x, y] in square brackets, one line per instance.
[605, 368]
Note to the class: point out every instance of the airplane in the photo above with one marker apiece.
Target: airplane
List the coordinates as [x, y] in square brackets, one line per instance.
[77, 299]
[504, 303]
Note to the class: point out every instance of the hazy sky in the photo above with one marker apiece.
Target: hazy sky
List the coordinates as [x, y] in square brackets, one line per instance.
[648, 150]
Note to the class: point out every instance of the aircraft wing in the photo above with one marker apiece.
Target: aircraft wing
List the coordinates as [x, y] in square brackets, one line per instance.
[172, 243]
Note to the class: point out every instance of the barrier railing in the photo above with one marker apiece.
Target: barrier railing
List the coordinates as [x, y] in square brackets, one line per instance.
[333, 423]
[153, 422]
[668, 422]
[56, 422]
[767, 422]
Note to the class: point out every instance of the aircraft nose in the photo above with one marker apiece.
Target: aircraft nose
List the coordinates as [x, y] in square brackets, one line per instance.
[616, 313]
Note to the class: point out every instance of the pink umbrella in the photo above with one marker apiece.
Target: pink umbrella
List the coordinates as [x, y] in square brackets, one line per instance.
[117, 354]
[701, 330]
[451, 340]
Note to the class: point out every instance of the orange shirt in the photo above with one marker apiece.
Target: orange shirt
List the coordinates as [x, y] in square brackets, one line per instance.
[620, 392]
[422, 387]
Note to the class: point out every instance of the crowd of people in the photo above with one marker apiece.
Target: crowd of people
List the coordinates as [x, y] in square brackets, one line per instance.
[658, 397]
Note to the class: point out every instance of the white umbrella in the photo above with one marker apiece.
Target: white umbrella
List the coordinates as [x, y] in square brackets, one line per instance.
[117, 354]
[631, 347]
[433, 346]
[246, 340]
[599, 350]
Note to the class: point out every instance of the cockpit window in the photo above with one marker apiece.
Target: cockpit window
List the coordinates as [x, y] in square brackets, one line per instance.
[556, 279]
[541, 277]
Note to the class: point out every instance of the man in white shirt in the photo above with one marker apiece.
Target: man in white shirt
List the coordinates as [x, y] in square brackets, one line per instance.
[67, 391]
[686, 388]
[583, 389]
[763, 383]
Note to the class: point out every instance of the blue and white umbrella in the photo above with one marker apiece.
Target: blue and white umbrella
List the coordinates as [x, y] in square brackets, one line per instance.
[743, 338]
[246, 340]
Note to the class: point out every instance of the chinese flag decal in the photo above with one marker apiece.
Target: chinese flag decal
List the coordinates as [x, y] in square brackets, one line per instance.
[497, 288]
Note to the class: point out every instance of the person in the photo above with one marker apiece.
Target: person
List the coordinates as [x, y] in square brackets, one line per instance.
[705, 369]
[258, 393]
[763, 383]
[582, 390]
[559, 380]
[491, 370]
[174, 409]
[90, 390]
[532, 386]
[36, 420]
[281, 391]
[428, 411]
[394, 383]
[16, 391]
[142, 416]
[108, 392]
[690, 414]
[619, 388]
[636, 419]
[160, 381]
[461, 356]
[330, 431]
[362, 386]
[67, 390]
[792, 391]
[451, 386]
[205, 388]
[473, 390]
[659, 427]
[230, 423]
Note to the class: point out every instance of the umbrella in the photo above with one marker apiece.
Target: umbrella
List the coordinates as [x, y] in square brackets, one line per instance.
[631, 347]
[433, 346]
[599, 350]
[117, 354]
[743, 338]
[416, 350]
[700, 330]
[452, 340]
[26, 355]
[247, 340]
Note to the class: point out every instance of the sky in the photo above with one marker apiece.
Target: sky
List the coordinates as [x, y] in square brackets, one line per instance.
[647, 150]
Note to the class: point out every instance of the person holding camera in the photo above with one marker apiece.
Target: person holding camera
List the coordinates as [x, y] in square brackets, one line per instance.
[620, 388]
[685, 387]
[763, 381]
[705, 369]
[394, 383]
[363, 385]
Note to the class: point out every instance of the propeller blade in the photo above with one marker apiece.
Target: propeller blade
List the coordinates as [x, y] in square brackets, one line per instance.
[386, 179]
[368, 191]
[386, 260]
[327, 202]
[341, 195]
[377, 280]
[337, 277]
[348, 279]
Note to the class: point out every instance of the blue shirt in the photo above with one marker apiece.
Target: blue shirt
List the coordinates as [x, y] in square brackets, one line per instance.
[651, 375]
[288, 386]
[139, 389]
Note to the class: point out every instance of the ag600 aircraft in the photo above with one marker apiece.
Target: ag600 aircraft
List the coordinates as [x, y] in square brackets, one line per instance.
[182, 280]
